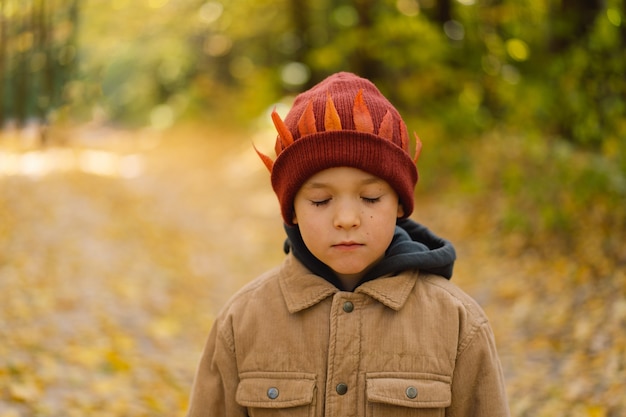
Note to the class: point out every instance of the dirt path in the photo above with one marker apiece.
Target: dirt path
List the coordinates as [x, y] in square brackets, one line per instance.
[108, 284]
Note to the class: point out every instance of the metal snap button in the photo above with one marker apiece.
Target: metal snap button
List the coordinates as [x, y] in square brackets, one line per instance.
[348, 307]
[272, 393]
[411, 392]
[341, 388]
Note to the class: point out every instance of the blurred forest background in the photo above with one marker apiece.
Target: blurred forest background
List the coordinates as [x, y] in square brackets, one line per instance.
[132, 204]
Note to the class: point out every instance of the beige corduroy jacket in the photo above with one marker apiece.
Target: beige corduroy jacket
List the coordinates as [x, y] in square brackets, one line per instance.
[292, 344]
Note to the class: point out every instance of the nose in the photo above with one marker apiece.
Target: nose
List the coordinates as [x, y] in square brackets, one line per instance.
[347, 216]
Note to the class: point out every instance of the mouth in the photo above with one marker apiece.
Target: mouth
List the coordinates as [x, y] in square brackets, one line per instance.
[347, 245]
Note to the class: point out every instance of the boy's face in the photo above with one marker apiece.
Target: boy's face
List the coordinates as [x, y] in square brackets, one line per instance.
[347, 219]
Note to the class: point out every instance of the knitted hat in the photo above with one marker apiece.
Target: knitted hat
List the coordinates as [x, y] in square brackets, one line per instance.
[342, 121]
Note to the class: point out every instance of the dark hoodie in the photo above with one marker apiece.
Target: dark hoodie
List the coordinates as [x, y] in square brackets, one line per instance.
[413, 247]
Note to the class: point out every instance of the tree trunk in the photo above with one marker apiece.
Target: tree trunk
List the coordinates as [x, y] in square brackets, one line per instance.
[572, 22]
[362, 62]
[20, 92]
[443, 11]
[3, 65]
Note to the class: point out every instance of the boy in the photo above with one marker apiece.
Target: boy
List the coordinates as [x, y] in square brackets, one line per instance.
[361, 318]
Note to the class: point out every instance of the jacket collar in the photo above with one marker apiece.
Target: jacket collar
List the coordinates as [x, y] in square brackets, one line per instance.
[302, 289]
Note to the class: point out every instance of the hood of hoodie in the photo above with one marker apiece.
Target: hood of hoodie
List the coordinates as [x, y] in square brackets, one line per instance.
[413, 247]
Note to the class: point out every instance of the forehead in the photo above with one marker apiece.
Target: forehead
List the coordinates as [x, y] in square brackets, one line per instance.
[342, 176]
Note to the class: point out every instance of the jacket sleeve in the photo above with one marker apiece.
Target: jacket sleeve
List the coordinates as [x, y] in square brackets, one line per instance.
[216, 380]
[478, 388]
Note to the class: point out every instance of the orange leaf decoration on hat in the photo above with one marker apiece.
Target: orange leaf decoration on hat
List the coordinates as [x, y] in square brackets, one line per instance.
[331, 117]
[386, 127]
[278, 146]
[269, 164]
[404, 137]
[361, 114]
[284, 139]
[283, 131]
[418, 147]
[306, 124]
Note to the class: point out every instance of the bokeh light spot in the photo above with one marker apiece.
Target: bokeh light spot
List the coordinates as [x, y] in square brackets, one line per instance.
[211, 11]
[295, 74]
[454, 30]
[517, 49]
[408, 7]
[614, 16]
[346, 16]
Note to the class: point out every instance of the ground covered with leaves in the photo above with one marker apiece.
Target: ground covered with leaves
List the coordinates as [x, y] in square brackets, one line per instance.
[116, 252]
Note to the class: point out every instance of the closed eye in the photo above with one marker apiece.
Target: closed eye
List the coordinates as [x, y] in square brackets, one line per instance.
[371, 200]
[319, 203]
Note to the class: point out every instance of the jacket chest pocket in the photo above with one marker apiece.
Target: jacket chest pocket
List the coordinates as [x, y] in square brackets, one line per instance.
[406, 395]
[273, 394]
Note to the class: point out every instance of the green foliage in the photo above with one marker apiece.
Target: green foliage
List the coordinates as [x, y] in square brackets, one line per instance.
[588, 101]
[468, 66]
[546, 193]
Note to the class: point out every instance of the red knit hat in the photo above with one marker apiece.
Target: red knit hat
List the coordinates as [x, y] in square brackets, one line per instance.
[342, 121]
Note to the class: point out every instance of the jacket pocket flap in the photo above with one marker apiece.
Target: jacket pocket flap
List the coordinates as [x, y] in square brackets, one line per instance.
[425, 391]
[275, 390]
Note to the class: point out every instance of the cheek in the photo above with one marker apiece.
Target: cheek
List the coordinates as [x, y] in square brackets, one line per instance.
[298, 210]
[308, 224]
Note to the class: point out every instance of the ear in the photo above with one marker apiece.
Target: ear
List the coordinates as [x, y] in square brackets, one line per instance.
[400, 210]
[294, 220]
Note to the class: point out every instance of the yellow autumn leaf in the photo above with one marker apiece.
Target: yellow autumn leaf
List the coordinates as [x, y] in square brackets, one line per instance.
[24, 391]
[596, 411]
[164, 327]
